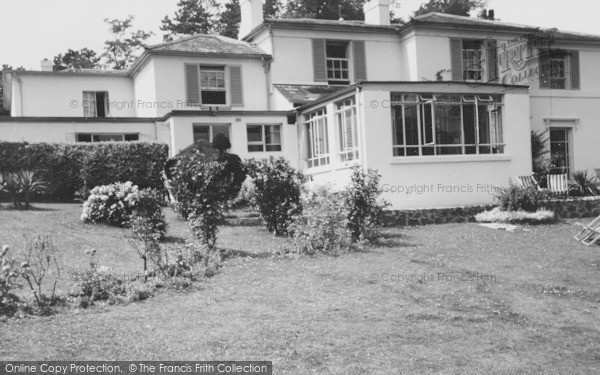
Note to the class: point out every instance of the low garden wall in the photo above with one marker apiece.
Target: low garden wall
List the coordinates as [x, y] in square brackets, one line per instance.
[563, 209]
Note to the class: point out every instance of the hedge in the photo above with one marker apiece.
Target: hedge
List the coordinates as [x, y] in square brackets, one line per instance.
[71, 168]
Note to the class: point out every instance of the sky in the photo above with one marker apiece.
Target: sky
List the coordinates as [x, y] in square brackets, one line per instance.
[31, 30]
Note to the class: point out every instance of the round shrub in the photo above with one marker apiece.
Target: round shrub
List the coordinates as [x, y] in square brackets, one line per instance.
[111, 204]
[277, 192]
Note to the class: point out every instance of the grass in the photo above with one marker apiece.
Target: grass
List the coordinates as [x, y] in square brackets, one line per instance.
[537, 312]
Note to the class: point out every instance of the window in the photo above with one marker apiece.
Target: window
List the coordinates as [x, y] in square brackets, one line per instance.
[338, 71]
[263, 138]
[443, 124]
[559, 70]
[472, 53]
[107, 137]
[95, 104]
[348, 130]
[318, 143]
[212, 85]
[560, 159]
[207, 132]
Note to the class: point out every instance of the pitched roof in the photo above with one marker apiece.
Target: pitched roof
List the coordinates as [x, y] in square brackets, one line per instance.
[208, 45]
[303, 94]
[470, 22]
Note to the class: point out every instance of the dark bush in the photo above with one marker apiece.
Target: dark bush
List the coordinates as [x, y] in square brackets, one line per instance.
[516, 198]
[67, 168]
[365, 211]
[277, 192]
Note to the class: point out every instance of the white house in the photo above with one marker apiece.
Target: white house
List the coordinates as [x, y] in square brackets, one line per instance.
[442, 106]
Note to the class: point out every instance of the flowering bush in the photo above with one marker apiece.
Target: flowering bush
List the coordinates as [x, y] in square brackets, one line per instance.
[365, 211]
[277, 192]
[323, 225]
[111, 204]
[9, 302]
[497, 215]
[516, 198]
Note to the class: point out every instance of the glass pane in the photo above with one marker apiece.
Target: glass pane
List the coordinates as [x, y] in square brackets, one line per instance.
[272, 135]
[84, 137]
[221, 129]
[469, 123]
[427, 123]
[484, 124]
[213, 97]
[133, 137]
[201, 133]
[254, 133]
[255, 148]
[411, 120]
[448, 124]
[336, 49]
[107, 138]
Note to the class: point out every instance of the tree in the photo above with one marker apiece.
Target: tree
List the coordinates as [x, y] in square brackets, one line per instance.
[229, 23]
[121, 52]
[272, 8]
[82, 59]
[192, 17]
[456, 7]
[5, 67]
[324, 9]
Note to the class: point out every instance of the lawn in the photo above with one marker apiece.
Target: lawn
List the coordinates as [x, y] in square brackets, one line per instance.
[437, 299]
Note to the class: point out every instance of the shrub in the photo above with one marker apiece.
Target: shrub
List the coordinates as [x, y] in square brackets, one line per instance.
[148, 209]
[516, 217]
[277, 192]
[111, 204]
[365, 212]
[9, 302]
[323, 225]
[584, 184]
[516, 198]
[67, 166]
[40, 262]
[139, 162]
[21, 186]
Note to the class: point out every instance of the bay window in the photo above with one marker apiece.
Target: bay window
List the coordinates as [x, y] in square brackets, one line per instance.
[442, 124]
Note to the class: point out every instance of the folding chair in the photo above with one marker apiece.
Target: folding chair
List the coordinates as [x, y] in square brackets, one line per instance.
[597, 170]
[529, 182]
[590, 234]
[558, 184]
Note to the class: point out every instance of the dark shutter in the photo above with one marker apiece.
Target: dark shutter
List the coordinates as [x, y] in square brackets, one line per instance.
[236, 85]
[360, 61]
[192, 84]
[319, 60]
[575, 75]
[457, 59]
[544, 61]
[492, 60]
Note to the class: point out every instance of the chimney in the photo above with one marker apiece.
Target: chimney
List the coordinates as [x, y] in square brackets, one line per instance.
[252, 16]
[377, 12]
[47, 65]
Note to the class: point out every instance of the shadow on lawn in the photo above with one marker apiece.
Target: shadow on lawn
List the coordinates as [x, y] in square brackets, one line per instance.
[392, 240]
[9, 207]
[232, 253]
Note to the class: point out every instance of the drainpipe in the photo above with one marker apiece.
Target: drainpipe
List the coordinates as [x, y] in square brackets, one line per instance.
[20, 94]
[267, 66]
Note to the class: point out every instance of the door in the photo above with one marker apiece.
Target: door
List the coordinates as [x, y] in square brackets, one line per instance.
[560, 151]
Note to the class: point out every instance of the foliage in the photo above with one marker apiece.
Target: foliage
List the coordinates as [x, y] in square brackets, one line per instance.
[583, 184]
[111, 204]
[221, 142]
[539, 141]
[517, 198]
[456, 7]
[66, 167]
[40, 261]
[229, 21]
[9, 302]
[272, 8]
[277, 192]
[192, 17]
[72, 59]
[497, 215]
[365, 213]
[126, 45]
[246, 197]
[323, 226]
[20, 186]
[325, 9]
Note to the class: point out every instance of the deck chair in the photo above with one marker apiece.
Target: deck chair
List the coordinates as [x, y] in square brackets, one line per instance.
[590, 234]
[529, 182]
[558, 184]
[597, 170]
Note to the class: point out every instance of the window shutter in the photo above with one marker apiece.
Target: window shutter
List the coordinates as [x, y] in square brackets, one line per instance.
[192, 84]
[456, 59]
[236, 86]
[319, 60]
[544, 62]
[575, 75]
[492, 60]
[360, 61]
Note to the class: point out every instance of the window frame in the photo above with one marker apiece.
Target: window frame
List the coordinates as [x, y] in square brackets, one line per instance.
[211, 131]
[472, 64]
[344, 109]
[216, 69]
[90, 107]
[493, 144]
[263, 135]
[339, 64]
[317, 119]
[92, 135]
